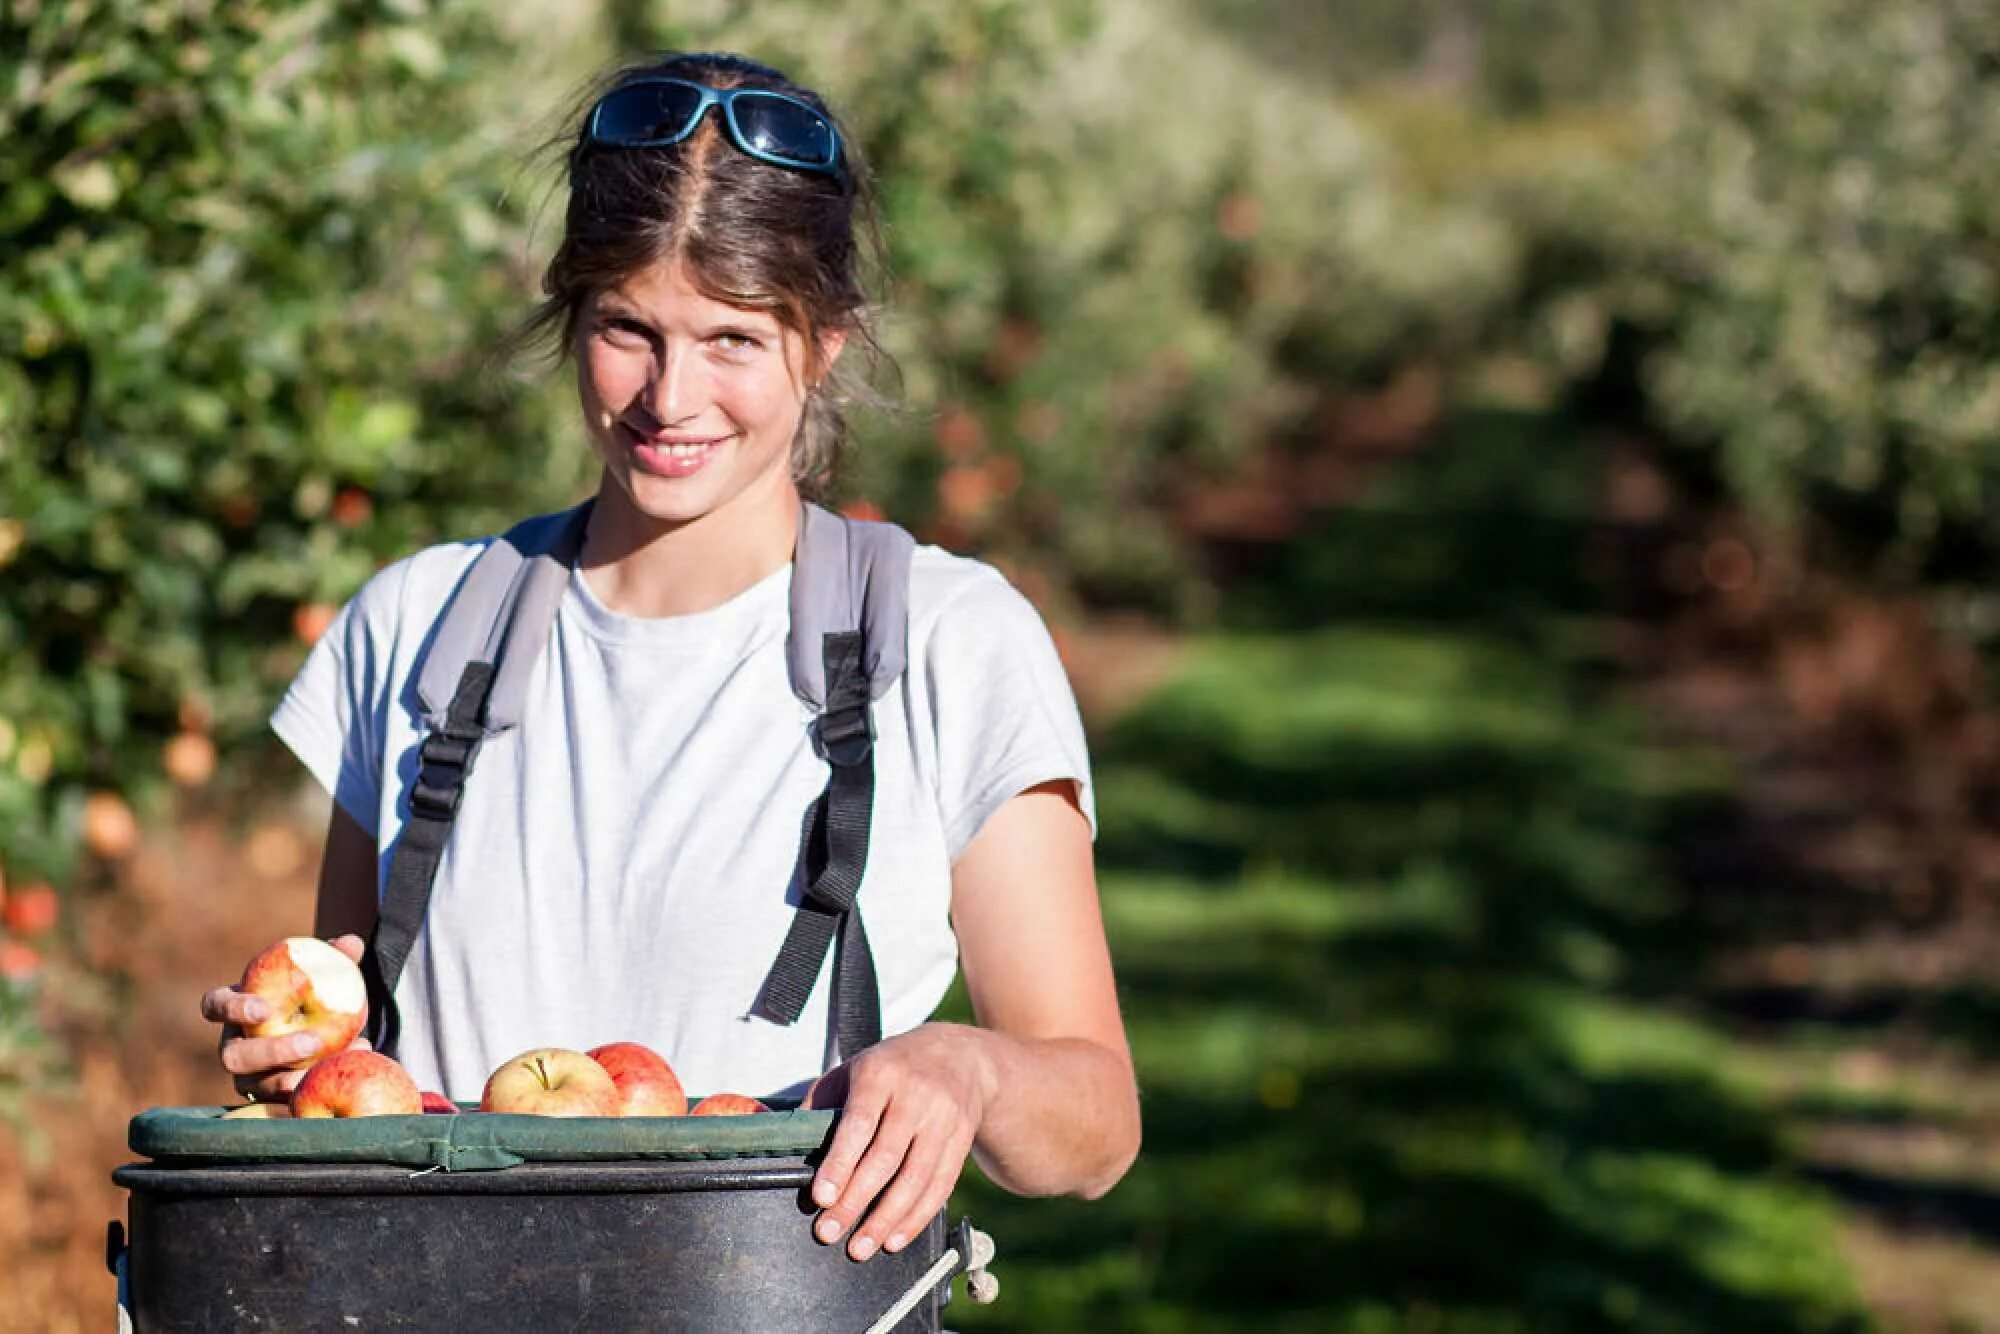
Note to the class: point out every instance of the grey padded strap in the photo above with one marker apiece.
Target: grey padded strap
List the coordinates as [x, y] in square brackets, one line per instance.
[501, 614]
[843, 567]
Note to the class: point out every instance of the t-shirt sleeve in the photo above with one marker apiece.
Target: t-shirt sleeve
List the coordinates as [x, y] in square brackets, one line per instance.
[334, 714]
[1005, 714]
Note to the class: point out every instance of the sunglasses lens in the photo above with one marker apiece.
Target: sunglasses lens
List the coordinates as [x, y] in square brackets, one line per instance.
[784, 129]
[646, 113]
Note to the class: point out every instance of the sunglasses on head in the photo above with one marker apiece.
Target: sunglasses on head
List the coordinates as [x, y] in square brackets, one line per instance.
[771, 127]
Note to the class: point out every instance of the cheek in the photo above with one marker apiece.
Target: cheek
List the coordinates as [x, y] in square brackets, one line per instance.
[612, 377]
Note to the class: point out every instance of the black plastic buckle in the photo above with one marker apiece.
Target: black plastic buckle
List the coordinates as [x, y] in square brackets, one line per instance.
[846, 734]
[443, 761]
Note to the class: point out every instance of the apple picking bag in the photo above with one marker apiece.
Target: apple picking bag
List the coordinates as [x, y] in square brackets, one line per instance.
[501, 1222]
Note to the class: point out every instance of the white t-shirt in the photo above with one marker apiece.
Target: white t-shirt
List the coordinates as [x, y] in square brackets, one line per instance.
[622, 866]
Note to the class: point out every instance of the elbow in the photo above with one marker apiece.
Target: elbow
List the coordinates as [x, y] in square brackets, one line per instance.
[1123, 1152]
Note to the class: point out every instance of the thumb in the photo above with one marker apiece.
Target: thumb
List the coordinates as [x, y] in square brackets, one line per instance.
[829, 1090]
[350, 944]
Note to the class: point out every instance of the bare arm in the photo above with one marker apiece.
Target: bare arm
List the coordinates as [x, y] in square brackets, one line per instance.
[1064, 1118]
[1041, 1092]
[347, 896]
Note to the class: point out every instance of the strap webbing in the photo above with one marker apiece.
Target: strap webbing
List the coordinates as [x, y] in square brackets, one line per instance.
[834, 856]
[443, 761]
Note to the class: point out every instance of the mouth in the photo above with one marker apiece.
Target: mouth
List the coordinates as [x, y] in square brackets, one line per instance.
[671, 458]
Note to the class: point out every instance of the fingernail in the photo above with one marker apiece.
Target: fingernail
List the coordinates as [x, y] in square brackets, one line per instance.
[256, 1011]
[306, 1046]
[825, 1193]
[895, 1243]
[828, 1230]
[862, 1248]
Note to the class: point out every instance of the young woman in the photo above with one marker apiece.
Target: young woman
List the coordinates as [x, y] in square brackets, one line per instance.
[620, 864]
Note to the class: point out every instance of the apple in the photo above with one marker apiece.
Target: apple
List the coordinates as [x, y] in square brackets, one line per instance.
[647, 1085]
[551, 1081]
[436, 1104]
[728, 1104]
[356, 1083]
[259, 1111]
[308, 986]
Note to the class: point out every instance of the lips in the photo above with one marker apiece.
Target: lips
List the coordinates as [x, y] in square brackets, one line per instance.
[668, 456]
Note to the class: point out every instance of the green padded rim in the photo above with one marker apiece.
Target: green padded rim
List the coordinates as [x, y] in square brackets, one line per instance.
[473, 1141]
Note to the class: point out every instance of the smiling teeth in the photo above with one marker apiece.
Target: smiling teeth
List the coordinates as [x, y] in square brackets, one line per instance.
[685, 451]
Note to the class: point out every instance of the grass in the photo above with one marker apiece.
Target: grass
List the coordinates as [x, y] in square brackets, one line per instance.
[1378, 876]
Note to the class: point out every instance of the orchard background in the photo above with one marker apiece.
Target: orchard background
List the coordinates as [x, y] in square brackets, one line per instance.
[1513, 483]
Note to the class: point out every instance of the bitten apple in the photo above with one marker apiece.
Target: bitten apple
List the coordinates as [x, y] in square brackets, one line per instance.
[308, 987]
[728, 1104]
[551, 1081]
[356, 1083]
[647, 1085]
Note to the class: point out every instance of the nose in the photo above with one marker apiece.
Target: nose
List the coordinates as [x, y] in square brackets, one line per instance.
[677, 391]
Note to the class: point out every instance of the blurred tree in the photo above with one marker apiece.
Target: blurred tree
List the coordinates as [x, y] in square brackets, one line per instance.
[248, 258]
[1833, 172]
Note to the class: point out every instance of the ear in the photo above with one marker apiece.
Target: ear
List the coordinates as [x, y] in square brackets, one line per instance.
[830, 344]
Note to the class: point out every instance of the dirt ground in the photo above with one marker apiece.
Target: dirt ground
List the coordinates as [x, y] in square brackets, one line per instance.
[191, 909]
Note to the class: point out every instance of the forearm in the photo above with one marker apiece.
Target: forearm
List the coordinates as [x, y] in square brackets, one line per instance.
[1061, 1115]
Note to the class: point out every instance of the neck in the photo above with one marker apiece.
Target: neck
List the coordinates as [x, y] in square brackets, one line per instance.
[641, 566]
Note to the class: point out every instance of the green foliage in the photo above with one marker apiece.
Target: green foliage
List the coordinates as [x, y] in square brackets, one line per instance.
[249, 256]
[1833, 172]
[1378, 877]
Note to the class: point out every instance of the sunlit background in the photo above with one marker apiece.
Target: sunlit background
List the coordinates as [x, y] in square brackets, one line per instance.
[1513, 483]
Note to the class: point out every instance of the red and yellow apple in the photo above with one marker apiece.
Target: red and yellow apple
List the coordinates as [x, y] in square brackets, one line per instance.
[551, 1081]
[647, 1085]
[356, 1083]
[307, 986]
[259, 1111]
[728, 1104]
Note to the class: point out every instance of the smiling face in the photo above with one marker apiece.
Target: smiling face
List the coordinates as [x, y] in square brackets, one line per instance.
[692, 404]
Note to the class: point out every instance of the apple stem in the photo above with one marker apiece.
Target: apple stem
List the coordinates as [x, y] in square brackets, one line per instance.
[542, 1073]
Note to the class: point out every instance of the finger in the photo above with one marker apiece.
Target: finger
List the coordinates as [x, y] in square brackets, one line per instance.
[258, 1056]
[885, 1217]
[227, 1005]
[931, 1198]
[851, 1137]
[351, 945]
[876, 1169]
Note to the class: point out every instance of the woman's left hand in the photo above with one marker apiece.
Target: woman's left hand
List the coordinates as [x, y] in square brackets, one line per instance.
[912, 1106]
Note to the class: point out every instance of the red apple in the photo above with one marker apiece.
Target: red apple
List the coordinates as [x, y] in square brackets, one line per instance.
[728, 1104]
[647, 1085]
[436, 1104]
[308, 987]
[551, 1081]
[356, 1083]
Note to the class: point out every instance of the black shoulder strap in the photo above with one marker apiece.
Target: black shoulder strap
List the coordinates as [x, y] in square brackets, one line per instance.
[834, 856]
[472, 685]
[443, 762]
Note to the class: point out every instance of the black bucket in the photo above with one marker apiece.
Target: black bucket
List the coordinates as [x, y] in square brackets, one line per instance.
[681, 1241]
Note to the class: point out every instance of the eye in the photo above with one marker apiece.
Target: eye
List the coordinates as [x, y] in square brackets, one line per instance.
[624, 328]
[736, 340]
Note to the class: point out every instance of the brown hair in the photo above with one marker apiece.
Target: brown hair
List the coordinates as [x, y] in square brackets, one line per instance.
[800, 245]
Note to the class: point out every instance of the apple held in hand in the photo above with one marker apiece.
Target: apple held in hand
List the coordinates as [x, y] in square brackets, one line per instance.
[551, 1081]
[728, 1104]
[356, 1083]
[647, 1085]
[308, 987]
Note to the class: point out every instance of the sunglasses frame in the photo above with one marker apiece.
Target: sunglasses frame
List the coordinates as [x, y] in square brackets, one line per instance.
[726, 98]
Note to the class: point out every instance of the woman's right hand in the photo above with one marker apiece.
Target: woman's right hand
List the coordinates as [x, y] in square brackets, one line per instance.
[262, 1066]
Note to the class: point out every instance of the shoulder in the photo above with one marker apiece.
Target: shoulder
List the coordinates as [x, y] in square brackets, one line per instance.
[950, 593]
[413, 589]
